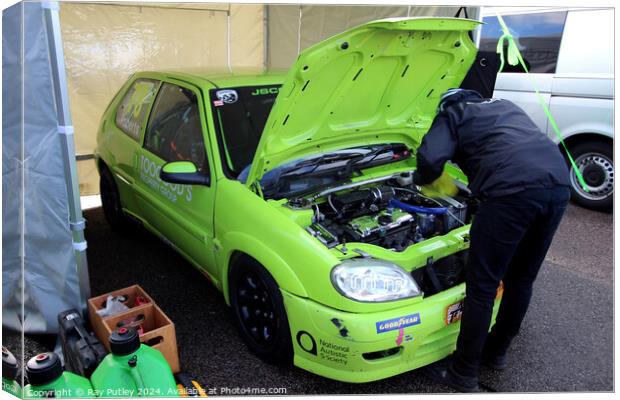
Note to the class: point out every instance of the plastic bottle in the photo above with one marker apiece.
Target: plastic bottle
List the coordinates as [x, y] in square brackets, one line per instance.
[47, 379]
[9, 373]
[133, 369]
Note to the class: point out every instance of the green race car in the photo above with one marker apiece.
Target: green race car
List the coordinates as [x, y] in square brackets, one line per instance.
[294, 196]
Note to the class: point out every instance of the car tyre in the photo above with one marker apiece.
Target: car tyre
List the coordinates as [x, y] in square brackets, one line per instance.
[111, 202]
[595, 161]
[259, 311]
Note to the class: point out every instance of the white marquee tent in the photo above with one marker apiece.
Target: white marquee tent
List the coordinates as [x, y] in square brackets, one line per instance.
[62, 63]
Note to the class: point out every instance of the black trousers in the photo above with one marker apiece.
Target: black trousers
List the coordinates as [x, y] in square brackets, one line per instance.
[510, 237]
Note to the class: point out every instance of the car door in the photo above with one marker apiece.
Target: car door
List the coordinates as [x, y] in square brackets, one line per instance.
[181, 214]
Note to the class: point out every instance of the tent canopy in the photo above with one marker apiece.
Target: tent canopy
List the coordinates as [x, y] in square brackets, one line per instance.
[104, 43]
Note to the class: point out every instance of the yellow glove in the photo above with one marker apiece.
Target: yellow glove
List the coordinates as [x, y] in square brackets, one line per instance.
[440, 187]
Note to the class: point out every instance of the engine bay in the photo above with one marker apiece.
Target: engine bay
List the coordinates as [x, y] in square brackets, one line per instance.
[391, 213]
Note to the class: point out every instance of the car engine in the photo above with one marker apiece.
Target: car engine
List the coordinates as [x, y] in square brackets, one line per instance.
[391, 213]
[394, 214]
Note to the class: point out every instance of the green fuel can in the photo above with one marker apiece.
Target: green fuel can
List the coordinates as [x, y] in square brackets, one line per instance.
[133, 369]
[9, 373]
[47, 379]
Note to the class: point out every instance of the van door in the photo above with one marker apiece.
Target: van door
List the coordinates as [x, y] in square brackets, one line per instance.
[583, 86]
[582, 102]
[538, 36]
[181, 214]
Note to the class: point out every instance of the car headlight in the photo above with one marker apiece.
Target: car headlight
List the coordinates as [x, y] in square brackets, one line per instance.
[371, 280]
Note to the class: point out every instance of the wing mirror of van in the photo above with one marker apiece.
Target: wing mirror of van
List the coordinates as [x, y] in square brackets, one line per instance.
[184, 173]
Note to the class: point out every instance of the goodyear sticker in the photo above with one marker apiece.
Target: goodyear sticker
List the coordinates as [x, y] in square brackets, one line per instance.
[398, 323]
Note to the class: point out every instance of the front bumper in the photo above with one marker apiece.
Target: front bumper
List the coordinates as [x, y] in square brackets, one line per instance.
[352, 347]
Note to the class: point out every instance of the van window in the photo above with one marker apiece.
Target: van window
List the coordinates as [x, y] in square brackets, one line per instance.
[132, 110]
[174, 131]
[538, 37]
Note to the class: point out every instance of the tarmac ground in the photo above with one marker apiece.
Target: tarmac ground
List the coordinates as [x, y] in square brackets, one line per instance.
[566, 341]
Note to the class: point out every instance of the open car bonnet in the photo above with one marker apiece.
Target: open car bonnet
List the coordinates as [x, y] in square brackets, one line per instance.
[377, 83]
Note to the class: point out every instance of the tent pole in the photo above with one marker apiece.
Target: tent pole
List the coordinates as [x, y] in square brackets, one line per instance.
[299, 32]
[65, 130]
[228, 40]
[265, 37]
[476, 13]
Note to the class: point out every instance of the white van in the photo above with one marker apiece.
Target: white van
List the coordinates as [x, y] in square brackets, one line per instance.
[570, 55]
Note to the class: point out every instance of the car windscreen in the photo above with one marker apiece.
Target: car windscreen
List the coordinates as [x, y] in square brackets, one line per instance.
[240, 114]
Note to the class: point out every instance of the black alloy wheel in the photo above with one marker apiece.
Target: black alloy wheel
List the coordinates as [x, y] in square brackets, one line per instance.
[259, 311]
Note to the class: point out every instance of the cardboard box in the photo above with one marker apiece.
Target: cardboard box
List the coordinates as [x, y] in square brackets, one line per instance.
[158, 330]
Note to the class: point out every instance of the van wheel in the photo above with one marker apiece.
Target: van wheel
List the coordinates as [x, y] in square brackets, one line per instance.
[595, 162]
[111, 201]
[259, 311]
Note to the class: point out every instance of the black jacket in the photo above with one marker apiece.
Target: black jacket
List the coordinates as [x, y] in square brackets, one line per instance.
[495, 144]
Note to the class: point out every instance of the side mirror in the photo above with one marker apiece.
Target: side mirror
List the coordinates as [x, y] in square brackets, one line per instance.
[184, 173]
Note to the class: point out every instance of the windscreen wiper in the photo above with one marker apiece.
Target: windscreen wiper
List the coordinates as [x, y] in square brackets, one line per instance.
[356, 159]
[308, 169]
[316, 162]
[399, 151]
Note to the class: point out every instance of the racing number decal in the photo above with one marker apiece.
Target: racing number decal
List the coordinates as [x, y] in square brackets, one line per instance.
[454, 312]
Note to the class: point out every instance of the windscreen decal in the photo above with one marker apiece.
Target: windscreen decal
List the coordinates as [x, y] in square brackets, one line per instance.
[227, 96]
[264, 91]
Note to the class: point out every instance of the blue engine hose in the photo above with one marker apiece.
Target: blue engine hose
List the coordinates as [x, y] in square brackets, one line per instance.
[417, 209]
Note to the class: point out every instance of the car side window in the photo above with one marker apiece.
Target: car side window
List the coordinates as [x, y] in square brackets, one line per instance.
[537, 35]
[134, 106]
[174, 132]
